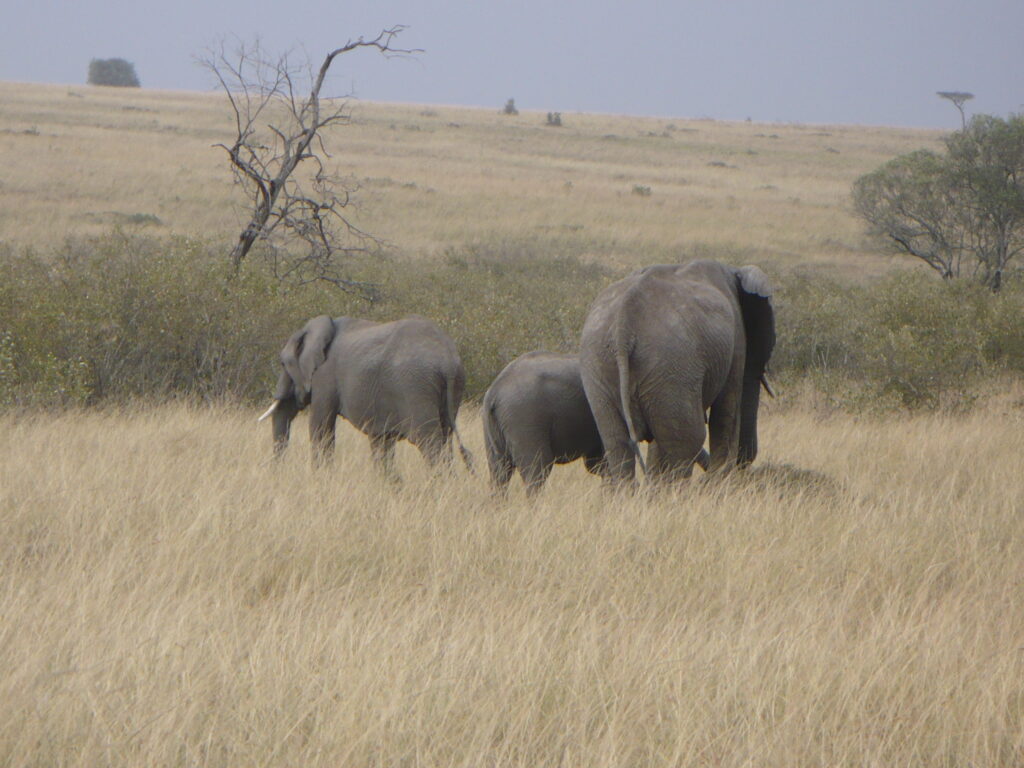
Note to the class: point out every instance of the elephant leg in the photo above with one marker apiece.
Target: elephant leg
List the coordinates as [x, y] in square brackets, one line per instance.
[501, 473]
[432, 443]
[499, 462]
[534, 478]
[654, 458]
[595, 464]
[724, 422]
[621, 463]
[323, 419]
[678, 441]
[535, 468]
[619, 456]
[382, 448]
[704, 460]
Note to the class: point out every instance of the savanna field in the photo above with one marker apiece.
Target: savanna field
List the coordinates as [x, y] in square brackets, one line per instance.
[172, 596]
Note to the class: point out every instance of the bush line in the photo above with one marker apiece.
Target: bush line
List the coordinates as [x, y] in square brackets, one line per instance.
[123, 317]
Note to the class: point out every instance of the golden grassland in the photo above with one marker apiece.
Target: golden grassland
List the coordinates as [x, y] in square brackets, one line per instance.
[171, 596]
[80, 159]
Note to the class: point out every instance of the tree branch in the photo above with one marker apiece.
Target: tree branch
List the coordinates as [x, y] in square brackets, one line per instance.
[266, 171]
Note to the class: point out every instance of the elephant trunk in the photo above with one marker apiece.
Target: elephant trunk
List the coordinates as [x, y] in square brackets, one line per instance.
[752, 382]
[284, 414]
[759, 329]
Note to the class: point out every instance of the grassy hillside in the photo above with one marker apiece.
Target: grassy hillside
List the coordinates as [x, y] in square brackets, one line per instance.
[81, 159]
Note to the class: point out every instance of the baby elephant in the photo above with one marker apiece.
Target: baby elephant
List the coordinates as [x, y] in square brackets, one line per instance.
[536, 415]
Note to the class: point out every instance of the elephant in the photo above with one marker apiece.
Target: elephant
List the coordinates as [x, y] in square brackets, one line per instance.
[535, 415]
[402, 379]
[672, 351]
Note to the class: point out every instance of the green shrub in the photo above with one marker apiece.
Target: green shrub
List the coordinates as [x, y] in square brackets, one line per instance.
[500, 301]
[122, 316]
[126, 316]
[904, 340]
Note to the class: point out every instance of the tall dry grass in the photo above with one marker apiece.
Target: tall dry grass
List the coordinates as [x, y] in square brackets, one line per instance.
[171, 597]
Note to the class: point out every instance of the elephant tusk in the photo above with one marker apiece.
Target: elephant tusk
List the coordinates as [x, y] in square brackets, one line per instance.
[270, 410]
[767, 385]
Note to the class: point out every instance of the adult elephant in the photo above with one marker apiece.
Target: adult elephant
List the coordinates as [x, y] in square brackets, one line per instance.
[669, 349]
[536, 415]
[402, 379]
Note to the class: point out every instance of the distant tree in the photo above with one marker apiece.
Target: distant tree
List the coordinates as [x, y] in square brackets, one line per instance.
[961, 211]
[300, 217]
[958, 98]
[112, 72]
[554, 119]
[510, 108]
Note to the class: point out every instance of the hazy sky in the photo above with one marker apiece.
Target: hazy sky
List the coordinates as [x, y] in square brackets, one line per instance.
[812, 61]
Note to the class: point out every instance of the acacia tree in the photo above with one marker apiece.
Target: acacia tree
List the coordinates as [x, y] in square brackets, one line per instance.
[962, 211]
[117, 72]
[281, 120]
[959, 98]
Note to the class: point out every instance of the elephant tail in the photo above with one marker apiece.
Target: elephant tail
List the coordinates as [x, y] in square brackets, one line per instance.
[622, 362]
[452, 411]
[494, 438]
[499, 459]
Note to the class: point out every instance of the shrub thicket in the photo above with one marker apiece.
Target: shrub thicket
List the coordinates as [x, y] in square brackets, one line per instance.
[902, 341]
[126, 316]
[121, 317]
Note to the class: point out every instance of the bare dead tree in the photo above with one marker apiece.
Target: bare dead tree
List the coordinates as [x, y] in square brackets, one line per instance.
[280, 121]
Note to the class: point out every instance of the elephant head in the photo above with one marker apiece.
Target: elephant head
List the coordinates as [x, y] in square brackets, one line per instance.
[303, 353]
[754, 291]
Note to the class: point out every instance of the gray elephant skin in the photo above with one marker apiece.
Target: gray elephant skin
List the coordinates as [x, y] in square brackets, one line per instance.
[392, 381]
[671, 349]
[536, 415]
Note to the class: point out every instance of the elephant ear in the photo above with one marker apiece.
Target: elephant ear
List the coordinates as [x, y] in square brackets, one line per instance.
[754, 282]
[755, 294]
[306, 351]
[285, 388]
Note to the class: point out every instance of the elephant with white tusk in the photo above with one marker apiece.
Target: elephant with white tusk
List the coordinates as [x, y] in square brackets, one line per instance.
[397, 380]
[669, 349]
